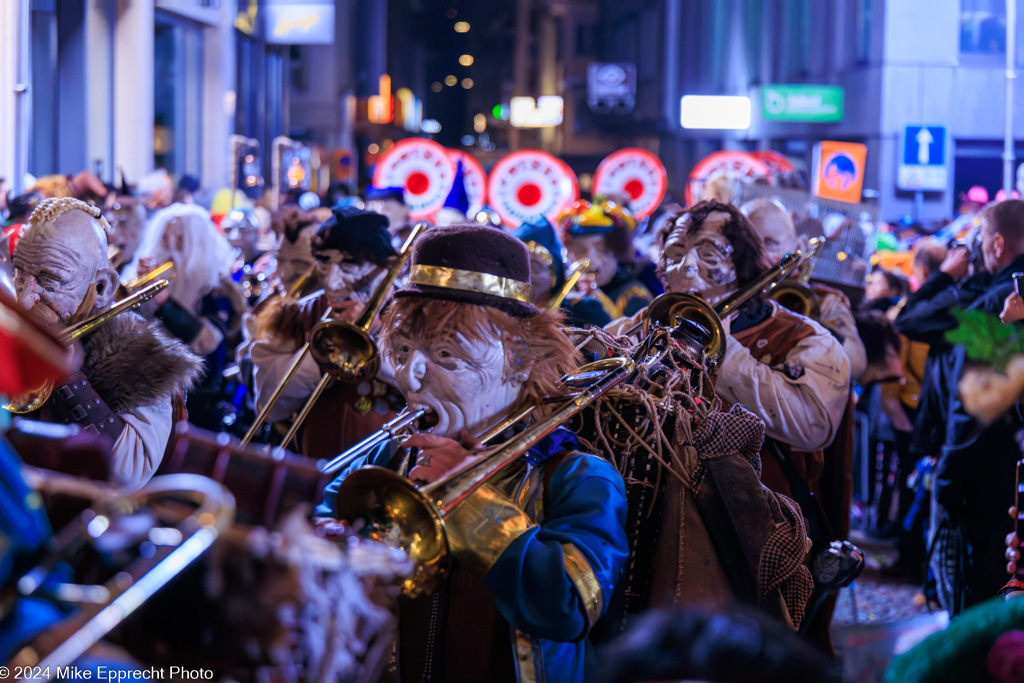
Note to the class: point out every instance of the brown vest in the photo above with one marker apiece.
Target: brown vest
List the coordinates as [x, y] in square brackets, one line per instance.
[343, 416]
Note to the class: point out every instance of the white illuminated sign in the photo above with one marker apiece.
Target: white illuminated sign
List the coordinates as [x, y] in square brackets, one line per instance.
[719, 112]
[545, 111]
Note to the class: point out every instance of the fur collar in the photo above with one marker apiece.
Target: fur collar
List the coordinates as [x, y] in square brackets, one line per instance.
[132, 363]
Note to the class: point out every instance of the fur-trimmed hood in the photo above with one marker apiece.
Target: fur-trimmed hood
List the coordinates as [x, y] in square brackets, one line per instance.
[133, 363]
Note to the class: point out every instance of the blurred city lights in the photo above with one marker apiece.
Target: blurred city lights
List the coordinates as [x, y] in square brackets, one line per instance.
[430, 126]
[546, 110]
[717, 112]
[462, 27]
[466, 60]
[467, 83]
[437, 86]
[467, 140]
[450, 80]
[479, 123]
[373, 148]
[501, 112]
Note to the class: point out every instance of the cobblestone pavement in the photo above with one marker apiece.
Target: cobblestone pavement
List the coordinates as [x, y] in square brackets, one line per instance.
[874, 598]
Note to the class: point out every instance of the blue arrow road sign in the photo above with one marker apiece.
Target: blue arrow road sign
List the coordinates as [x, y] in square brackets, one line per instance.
[924, 146]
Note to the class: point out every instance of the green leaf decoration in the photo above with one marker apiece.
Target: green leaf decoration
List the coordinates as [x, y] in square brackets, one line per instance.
[986, 339]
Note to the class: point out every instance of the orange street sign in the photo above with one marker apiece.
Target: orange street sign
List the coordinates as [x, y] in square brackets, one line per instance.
[838, 171]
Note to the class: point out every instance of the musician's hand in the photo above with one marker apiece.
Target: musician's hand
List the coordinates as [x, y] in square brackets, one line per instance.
[439, 455]
[1012, 546]
[332, 529]
[348, 310]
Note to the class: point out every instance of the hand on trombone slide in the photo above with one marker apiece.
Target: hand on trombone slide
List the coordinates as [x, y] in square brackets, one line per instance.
[439, 455]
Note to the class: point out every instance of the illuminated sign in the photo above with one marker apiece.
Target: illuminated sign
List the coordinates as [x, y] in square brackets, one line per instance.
[544, 112]
[809, 103]
[715, 112]
[298, 24]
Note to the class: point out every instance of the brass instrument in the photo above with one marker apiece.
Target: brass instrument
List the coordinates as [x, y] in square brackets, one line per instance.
[671, 305]
[175, 544]
[576, 271]
[394, 510]
[798, 296]
[35, 398]
[155, 274]
[343, 350]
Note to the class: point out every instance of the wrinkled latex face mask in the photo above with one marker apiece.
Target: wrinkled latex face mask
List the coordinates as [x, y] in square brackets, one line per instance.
[700, 262]
[462, 380]
[342, 277]
[55, 264]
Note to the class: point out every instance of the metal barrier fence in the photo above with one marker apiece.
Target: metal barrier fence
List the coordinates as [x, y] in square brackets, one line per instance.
[850, 228]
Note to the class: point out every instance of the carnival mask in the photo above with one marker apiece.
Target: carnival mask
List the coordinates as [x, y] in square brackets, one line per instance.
[462, 380]
[342, 277]
[699, 261]
[55, 263]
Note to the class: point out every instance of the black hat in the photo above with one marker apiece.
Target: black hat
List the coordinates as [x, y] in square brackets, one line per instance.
[362, 234]
[473, 264]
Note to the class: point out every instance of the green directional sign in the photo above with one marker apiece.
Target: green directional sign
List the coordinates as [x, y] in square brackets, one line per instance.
[808, 103]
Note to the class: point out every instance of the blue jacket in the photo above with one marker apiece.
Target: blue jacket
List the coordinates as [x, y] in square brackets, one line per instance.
[554, 580]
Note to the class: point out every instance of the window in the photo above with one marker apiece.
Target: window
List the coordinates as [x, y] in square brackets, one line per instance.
[983, 26]
[177, 101]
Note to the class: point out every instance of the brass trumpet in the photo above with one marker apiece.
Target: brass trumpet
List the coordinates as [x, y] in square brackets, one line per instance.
[797, 296]
[415, 518]
[35, 398]
[671, 305]
[343, 350]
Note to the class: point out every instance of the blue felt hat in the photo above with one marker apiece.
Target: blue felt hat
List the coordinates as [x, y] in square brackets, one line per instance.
[542, 234]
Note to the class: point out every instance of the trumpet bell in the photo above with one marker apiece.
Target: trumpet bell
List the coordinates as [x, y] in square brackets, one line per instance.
[344, 351]
[667, 307]
[398, 514]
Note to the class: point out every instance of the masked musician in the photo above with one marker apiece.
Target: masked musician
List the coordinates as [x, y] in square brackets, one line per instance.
[203, 307]
[603, 232]
[132, 374]
[353, 251]
[787, 369]
[538, 553]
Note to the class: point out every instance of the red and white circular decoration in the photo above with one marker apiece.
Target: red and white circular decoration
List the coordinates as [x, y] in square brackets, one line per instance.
[475, 178]
[423, 169]
[731, 163]
[776, 162]
[528, 185]
[635, 174]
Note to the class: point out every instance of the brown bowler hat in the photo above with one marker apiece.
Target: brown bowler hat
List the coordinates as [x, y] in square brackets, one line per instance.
[473, 264]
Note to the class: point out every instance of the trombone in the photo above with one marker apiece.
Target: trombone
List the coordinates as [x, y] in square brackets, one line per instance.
[35, 398]
[344, 350]
[415, 518]
[798, 296]
[671, 305]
